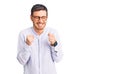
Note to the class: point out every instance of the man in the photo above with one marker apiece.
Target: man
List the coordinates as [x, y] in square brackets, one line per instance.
[39, 47]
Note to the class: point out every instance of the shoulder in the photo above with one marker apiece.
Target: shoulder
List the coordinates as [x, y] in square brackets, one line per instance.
[52, 31]
[49, 29]
[25, 31]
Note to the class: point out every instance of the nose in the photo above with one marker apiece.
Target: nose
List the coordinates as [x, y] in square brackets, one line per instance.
[40, 20]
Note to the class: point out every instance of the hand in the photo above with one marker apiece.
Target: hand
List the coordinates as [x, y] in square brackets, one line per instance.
[29, 39]
[51, 38]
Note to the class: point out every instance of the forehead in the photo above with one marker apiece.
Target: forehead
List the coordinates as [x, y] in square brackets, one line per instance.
[39, 13]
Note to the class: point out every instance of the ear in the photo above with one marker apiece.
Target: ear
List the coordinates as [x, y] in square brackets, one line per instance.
[31, 17]
[47, 17]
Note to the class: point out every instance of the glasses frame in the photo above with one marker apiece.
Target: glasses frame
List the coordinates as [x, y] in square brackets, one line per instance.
[40, 17]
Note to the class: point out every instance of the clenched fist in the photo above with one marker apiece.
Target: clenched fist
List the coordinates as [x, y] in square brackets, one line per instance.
[29, 39]
[51, 38]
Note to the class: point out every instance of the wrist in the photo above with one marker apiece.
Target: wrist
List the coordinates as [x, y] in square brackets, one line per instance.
[54, 44]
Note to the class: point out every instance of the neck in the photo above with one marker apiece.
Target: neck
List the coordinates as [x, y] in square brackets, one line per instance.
[38, 31]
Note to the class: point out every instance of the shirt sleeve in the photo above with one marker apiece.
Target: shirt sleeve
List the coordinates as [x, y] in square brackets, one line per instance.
[57, 53]
[23, 53]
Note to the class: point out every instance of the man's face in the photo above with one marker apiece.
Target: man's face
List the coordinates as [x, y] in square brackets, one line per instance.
[39, 19]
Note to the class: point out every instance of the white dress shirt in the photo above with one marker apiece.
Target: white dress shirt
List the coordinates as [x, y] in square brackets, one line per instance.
[40, 57]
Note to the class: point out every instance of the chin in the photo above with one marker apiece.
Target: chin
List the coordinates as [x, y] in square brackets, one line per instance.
[40, 28]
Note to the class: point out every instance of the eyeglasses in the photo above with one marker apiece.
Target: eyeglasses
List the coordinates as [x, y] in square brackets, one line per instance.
[38, 17]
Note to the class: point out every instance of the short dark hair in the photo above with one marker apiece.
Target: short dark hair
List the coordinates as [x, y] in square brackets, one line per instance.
[38, 7]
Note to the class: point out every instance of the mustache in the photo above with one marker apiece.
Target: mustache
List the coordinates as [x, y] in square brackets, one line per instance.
[41, 22]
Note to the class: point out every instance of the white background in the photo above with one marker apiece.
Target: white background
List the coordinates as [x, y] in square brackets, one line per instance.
[89, 31]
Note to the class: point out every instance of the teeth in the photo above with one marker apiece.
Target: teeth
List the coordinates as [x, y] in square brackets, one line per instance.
[39, 24]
